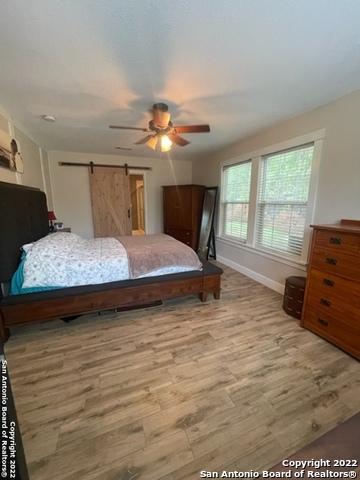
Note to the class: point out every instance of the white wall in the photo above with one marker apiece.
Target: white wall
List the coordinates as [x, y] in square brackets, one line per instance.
[71, 190]
[339, 180]
[46, 178]
[34, 157]
[5, 174]
[30, 152]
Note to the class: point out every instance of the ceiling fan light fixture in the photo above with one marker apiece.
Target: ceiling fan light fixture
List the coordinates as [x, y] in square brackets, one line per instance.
[152, 142]
[165, 143]
[161, 119]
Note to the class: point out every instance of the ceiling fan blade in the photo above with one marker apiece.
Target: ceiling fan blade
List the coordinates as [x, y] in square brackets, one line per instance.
[128, 128]
[123, 148]
[178, 140]
[192, 128]
[143, 140]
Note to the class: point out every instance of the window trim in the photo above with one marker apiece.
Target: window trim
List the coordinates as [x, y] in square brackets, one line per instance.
[255, 157]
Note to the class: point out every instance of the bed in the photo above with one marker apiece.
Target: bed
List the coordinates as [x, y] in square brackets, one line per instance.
[23, 220]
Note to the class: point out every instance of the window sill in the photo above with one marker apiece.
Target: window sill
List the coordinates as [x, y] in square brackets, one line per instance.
[292, 262]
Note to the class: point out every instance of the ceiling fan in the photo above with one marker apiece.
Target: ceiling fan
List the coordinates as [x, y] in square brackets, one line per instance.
[162, 131]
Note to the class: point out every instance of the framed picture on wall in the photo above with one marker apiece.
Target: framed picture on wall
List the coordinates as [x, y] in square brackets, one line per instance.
[10, 156]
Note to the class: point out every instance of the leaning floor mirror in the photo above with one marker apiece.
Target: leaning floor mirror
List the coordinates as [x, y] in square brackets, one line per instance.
[207, 234]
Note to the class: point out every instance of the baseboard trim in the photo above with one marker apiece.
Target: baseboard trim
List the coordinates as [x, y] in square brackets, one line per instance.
[268, 282]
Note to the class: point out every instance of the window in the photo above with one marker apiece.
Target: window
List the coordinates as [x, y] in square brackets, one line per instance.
[283, 199]
[267, 199]
[236, 197]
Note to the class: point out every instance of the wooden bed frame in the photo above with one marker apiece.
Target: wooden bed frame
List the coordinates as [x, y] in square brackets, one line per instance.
[23, 219]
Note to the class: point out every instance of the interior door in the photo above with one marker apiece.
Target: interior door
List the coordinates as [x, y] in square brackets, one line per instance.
[110, 201]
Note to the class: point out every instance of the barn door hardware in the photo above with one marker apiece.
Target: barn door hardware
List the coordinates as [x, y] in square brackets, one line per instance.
[92, 165]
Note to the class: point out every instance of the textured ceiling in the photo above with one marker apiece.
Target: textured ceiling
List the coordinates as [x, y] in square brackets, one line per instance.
[238, 65]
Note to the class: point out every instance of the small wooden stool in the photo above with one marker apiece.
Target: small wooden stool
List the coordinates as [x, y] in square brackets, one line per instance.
[294, 296]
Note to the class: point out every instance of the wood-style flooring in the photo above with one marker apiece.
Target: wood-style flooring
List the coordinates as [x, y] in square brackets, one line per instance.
[162, 393]
[341, 443]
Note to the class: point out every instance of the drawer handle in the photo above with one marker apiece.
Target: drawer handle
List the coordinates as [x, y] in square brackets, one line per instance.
[335, 240]
[328, 282]
[325, 302]
[331, 261]
[323, 322]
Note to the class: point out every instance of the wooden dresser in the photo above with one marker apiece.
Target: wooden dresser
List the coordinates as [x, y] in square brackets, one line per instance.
[182, 212]
[332, 296]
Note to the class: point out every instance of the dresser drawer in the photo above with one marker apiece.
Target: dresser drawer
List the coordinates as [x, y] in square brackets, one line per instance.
[336, 262]
[338, 241]
[335, 331]
[341, 310]
[334, 287]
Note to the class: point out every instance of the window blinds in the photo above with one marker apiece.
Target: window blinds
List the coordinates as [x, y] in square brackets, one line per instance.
[236, 198]
[283, 198]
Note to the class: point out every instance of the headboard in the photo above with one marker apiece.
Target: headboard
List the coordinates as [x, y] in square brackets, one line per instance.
[23, 219]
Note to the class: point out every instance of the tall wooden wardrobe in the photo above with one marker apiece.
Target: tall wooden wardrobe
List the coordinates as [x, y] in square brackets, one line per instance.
[182, 212]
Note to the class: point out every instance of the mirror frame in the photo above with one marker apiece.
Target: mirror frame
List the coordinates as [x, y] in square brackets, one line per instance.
[206, 247]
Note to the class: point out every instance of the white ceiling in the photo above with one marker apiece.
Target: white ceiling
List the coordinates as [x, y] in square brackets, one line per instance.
[238, 65]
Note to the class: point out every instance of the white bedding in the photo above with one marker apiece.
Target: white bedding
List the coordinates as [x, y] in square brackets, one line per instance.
[67, 260]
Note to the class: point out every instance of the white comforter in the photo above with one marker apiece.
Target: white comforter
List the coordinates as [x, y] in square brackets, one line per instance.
[67, 260]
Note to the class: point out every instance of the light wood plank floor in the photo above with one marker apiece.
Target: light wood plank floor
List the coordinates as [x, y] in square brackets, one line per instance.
[160, 394]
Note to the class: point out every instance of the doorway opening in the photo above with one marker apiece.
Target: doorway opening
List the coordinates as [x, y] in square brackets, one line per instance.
[137, 204]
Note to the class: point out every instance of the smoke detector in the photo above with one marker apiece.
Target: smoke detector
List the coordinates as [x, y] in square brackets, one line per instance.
[49, 118]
